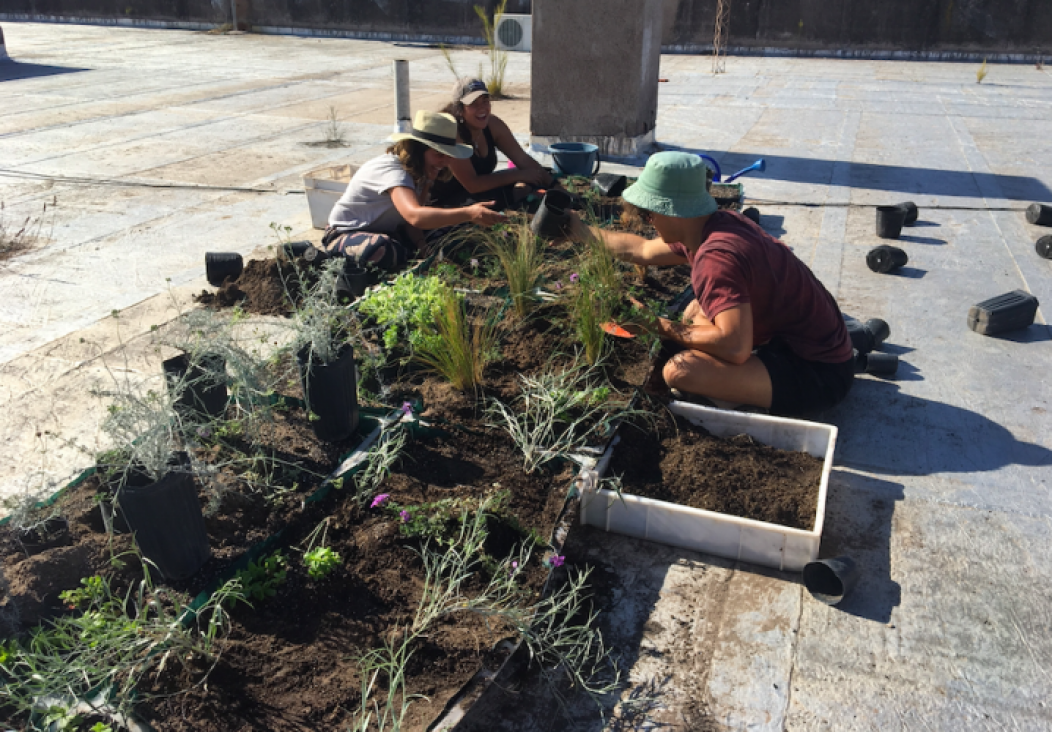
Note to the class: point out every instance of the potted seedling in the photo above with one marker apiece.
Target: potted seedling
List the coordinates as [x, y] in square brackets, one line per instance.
[153, 480]
[326, 358]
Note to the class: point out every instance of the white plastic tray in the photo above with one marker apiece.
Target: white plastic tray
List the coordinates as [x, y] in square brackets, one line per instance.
[324, 188]
[770, 545]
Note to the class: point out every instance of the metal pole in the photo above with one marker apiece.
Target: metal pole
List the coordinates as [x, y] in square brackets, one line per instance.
[233, 12]
[403, 122]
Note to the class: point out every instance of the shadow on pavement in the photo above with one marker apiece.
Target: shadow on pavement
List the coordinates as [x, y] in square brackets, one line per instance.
[871, 176]
[859, 512]
[886, 432]
[13, 70]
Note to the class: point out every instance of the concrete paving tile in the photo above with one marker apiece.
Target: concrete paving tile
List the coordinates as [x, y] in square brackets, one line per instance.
[954, 660]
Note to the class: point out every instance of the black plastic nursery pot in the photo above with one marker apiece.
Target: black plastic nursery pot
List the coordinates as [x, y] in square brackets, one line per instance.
[202, 393]
[890, 220]
[884, 259]
[1040, 214]
[352, 282]
[331, 394]
[1011, 311]
[221, 265]
[911, 212]
[1043, 247]
[167, 522]
[553, 215]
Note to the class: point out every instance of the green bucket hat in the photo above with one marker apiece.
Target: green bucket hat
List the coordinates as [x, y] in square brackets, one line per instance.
[672, 184]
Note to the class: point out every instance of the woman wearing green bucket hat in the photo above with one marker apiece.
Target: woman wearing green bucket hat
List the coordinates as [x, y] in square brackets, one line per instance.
[762, 330]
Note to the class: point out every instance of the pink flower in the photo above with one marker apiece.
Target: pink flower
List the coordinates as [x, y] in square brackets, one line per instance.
[574, 277]
[514, 567]
[378, 501]
[474, 264]
[405, 515]
[558, 285]
[407, 409]
[556, 561]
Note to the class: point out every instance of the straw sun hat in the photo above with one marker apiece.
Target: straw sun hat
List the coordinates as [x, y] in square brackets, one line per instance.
[437, 131]
[672, 184]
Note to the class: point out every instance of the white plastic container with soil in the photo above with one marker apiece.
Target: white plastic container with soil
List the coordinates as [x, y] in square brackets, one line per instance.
[324, 188]
[624, 492]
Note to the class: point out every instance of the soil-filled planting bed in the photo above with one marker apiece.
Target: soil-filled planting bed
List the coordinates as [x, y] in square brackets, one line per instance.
[439, 545]
[293, 662]
[675, 461]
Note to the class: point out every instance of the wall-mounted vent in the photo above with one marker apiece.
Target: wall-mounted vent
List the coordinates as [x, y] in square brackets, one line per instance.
[514, 32]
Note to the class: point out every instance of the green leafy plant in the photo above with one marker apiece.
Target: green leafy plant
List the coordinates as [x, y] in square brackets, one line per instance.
[457, 349]
[379, 461]
[321, 561]
[262, 578]
[498, 59]
[559, 631]
[558, 413]
[593, 296]
[99, 655]
[521, 254]
[321, 325]
[406, 309]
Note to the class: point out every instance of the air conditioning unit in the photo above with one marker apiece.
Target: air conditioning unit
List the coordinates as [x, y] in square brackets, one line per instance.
[513, 32]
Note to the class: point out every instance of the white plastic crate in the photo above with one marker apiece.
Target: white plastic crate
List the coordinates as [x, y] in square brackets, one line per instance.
[770, 545]
[324, 188]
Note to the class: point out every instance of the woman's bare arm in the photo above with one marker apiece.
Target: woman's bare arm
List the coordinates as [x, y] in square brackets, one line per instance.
[428, 217]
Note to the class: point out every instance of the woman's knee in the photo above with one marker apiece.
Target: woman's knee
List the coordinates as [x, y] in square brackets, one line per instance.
[684, 366]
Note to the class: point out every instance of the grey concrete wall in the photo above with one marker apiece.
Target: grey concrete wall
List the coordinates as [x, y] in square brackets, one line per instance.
[594, 69]
[993, 26]
[914, 25]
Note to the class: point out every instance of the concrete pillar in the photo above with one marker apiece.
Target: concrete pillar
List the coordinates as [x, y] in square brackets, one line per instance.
[403, 119]
[3, 48]
[595, 67]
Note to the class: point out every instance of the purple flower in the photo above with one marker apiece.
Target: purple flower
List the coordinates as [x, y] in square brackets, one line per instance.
[407, 409]
[514, 567]
[556, 561]
[405, 515]
[574, 277]
[474, 264]
[558, 285]
[204, 432]
[378, 501]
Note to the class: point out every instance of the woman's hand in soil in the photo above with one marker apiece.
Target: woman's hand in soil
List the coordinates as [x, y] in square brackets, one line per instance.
[481, 214]
[536, 177]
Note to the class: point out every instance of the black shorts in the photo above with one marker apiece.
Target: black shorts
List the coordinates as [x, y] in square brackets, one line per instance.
[800, 387]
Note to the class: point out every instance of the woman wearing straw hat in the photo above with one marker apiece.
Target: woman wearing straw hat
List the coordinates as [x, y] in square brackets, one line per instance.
[475, 176]
[762, 331]
[383, 213]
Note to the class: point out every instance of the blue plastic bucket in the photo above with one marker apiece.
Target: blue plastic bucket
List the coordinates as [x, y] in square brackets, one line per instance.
[575, 158]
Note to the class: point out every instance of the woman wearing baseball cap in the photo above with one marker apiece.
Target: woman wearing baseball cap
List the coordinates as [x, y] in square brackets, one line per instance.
[762, 330]
[476, 176]
[383, 213]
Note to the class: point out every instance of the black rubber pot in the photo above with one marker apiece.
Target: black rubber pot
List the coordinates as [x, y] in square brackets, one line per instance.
[867, 336]
[331, 393]
[889, 221]
[752, 213]
[611, 185]
[295, 249]
[884, 259]
[352, 282]
[830, 580]
[881, 364]
[1043, 247]
[1037, 213]
[166, 519]
[222, 265]
[203, 395]
[553, 216]
[911, 212]
[51, 533]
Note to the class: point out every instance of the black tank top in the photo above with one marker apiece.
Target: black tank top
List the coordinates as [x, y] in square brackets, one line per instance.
[451, 192]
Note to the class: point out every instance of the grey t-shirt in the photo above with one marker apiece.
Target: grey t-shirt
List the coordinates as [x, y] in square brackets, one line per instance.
[366, 204]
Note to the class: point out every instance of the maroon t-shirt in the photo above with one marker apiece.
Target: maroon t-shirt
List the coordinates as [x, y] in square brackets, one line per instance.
[738, 263]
